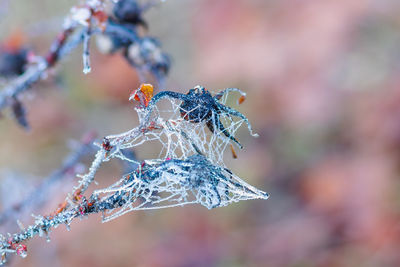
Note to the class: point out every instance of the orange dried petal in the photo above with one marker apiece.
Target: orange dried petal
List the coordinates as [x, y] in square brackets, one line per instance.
[147, 90]
[144, 94]
[241, 99]
[100, 15]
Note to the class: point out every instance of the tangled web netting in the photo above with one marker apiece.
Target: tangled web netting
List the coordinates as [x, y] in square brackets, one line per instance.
[179, 138]
[189, 167]
[163, 184]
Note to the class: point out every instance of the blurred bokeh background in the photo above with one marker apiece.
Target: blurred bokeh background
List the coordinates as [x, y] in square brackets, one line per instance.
[323, 84]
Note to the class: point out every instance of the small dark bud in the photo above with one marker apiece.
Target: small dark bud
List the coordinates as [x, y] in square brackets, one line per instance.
[128, 11]
[106, 144]
[13, 63]
[19, 113]
[163, 64]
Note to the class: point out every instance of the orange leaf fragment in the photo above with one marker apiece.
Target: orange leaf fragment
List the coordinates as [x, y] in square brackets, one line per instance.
[61, 207]
[101, 17]
[144, 94]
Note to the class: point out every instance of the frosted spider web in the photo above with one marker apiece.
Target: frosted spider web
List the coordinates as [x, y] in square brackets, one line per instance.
[187, 169]
[177, 137]
[163, 184]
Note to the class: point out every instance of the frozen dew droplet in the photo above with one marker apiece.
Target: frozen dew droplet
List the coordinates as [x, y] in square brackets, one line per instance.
[87, 69]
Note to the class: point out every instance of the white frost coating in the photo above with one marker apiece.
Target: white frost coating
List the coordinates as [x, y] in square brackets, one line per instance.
[86, 52]
[88, 178]
[81, 15]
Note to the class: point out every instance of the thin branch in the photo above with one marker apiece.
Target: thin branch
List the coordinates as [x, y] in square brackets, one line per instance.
[71, 37]
[40, 194]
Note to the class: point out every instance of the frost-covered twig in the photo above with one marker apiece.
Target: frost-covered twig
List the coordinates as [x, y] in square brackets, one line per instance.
[86, 52]
[83, 22]
[188, 170]
[36, 71]
[141, 51]
[43, 191]
[59, 48]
